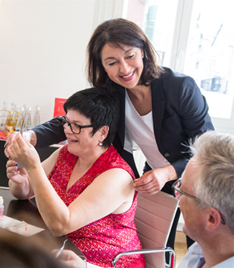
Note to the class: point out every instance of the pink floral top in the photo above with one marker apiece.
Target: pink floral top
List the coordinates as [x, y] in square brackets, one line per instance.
[103, 239]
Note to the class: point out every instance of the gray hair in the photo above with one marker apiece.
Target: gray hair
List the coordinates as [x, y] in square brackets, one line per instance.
[215, 185]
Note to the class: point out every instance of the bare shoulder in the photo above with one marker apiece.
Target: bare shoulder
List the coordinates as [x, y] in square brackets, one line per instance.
[115, 177]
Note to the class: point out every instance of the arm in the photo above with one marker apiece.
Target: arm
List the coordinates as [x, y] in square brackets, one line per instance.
[50, 132]
[110, 192]
[19, 183]
[43, 135]
[192, 110]
[185, 115]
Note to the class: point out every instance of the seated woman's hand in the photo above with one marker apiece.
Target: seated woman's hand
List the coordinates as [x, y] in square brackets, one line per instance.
[71, 259]
[23, 152]
[9, 141]
[28, 135]
[17, 175]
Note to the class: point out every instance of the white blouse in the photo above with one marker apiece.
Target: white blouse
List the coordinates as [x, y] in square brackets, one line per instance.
[140, 130]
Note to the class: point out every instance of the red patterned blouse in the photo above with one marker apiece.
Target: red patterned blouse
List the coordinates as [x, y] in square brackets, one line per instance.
[103, 239]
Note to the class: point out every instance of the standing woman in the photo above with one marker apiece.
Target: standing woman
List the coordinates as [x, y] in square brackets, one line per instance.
[159, 109]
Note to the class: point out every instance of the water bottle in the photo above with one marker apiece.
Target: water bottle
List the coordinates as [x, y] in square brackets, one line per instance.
[36, 118]
[9, 123]
[28, 120]
[15, 117]
[3, 116]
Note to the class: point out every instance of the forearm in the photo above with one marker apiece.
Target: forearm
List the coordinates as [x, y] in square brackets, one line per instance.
[170, 172]
[21, 191]
[179, 166]
[52, 209]
[49, 133]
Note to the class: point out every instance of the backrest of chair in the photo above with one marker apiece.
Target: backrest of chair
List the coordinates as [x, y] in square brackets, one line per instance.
[153, 219]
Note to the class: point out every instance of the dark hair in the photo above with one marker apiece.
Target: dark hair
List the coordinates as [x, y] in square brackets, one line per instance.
[100, 106]
[119, 32]
[17, 251]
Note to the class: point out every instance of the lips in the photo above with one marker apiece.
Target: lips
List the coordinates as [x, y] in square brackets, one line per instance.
[128, 77]
[71, 141]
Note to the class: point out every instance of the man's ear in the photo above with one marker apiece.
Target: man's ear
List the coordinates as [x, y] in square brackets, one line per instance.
[214, 219]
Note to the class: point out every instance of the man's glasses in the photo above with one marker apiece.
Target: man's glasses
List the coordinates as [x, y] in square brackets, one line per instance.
[75, 128]
[178, 192]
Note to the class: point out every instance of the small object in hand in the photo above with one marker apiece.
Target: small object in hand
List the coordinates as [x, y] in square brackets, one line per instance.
[61, 249]
[21, 132]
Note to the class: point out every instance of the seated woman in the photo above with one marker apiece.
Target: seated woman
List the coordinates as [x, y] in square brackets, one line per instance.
[85, 189]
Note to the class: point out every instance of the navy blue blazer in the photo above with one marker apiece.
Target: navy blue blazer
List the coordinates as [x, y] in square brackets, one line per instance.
[180, 113]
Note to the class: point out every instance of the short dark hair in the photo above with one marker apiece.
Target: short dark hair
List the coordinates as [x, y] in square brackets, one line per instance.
[119, 32]
[100, 106]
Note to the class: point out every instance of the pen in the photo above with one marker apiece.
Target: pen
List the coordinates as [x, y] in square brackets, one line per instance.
[61, 249]
[22, 127]
[21, 132]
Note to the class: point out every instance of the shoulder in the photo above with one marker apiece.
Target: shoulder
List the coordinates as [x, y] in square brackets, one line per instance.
[194, 257]
[111, 159]
[174, 81]
[174, 87]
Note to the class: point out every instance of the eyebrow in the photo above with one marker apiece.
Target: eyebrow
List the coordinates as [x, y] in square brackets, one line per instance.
[113, 58]
[76, 121]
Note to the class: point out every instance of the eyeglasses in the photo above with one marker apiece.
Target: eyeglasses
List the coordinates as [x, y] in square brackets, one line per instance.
[75, 128]
[178, 193]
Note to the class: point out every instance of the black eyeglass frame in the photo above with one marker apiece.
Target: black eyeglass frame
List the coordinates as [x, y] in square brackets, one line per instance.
[191, 196]
[65, 121]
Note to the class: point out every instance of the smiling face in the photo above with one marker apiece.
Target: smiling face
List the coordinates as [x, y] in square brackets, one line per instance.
[123, 66]
[83, 144]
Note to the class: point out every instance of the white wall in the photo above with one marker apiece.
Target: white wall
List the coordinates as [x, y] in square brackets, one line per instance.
[43, 48]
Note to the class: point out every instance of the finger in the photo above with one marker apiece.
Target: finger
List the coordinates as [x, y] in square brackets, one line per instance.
[12, 173]
[149, 191]
[6, 152]
[10, 163]
[27, 142]
[150, 187]
[22, 141]
[10, 138]
[145, 184]
[143, 180]
[12, 169]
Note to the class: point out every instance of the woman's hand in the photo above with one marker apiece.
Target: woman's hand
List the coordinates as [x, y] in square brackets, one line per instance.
[23, 152]
[70, 259]
[17, 175]
[153, 181]
[28, 135]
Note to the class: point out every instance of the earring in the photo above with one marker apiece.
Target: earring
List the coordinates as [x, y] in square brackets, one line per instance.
[100, 143]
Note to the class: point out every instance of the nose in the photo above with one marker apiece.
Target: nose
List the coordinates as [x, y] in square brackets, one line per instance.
[67, 128]
[124, 67]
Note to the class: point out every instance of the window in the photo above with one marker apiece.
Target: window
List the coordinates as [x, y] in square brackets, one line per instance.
[157, 21]
[194, 37]
[210, 54]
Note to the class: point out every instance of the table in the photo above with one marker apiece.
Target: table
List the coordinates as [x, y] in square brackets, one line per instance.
[26, 210]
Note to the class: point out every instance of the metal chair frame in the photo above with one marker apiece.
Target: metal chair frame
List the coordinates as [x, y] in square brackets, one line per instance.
[160, 209]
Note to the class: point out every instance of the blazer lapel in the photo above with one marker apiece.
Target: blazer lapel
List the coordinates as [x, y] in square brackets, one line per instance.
[158, 106]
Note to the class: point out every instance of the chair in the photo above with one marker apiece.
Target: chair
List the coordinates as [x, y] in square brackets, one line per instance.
[153, 219]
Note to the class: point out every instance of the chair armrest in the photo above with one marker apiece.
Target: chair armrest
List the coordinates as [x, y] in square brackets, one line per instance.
[147, 251]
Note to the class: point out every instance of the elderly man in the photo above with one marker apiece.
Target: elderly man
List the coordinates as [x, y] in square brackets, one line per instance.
[206, 193]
